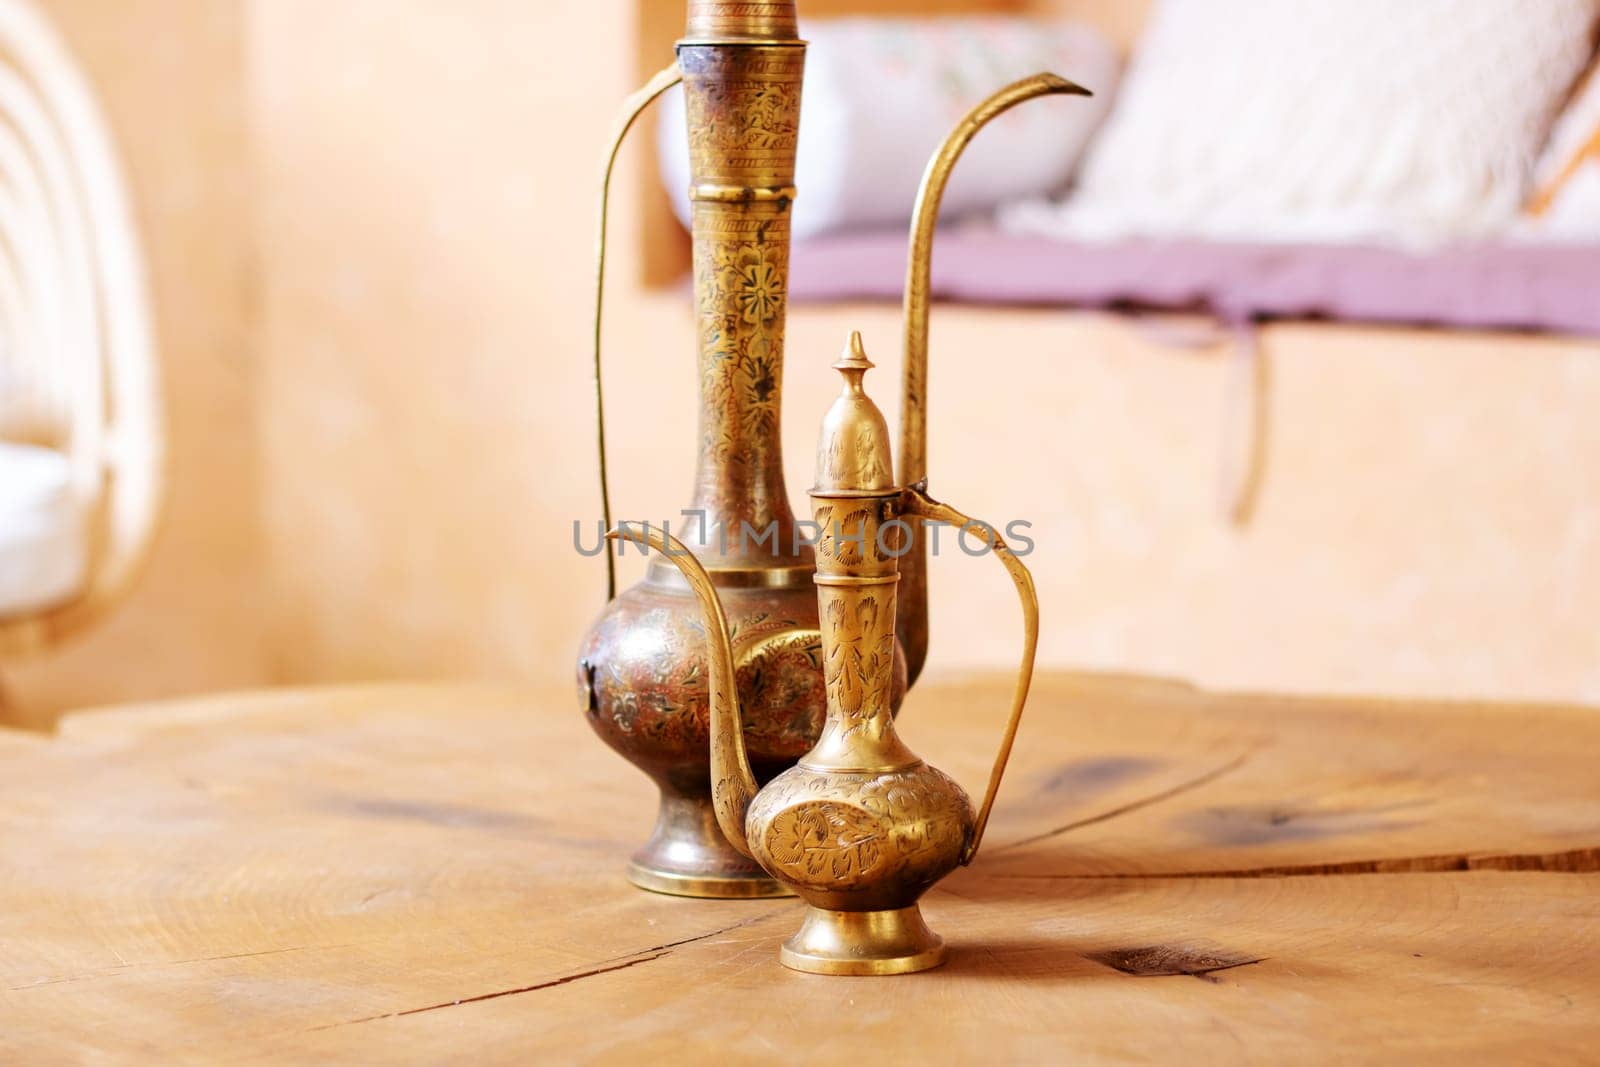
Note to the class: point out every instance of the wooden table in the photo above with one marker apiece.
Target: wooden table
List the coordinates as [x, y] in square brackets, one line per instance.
[433, 875]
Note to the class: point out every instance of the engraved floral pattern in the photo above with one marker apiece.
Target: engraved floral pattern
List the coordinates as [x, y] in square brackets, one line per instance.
[741, 276]
[760, 285]
[651, 698]
[827, 840]
[845, 830]
[743, 120]
[757, 115]
[847, 535]
[860, 663]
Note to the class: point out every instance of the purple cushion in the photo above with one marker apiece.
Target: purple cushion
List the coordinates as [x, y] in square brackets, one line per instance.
[1545, 287]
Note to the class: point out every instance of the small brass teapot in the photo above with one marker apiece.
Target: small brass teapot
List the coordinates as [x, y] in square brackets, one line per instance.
[860, 827]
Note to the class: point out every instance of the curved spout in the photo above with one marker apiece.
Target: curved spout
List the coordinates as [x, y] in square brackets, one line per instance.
[733, 784]
[912, 622]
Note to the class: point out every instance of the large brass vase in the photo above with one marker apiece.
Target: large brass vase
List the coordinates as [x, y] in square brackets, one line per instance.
[643, 666]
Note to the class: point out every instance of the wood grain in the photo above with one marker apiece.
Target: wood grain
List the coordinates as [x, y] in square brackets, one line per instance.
[421, 874]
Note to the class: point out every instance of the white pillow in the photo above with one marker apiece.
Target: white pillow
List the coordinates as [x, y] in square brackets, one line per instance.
[881, 94]
[1413, 121]
[43, 542]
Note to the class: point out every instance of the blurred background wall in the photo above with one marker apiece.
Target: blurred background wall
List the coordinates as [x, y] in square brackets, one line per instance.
[370, 226]
[426, 241]
[172, 78]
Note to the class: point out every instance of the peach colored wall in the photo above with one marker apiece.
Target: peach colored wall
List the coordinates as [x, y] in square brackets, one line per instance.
[1426, 525]
[169, 76]
[1121, 20]
[426, 239]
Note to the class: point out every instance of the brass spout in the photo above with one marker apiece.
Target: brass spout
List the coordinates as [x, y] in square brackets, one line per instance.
[733, 782]
[912, 623]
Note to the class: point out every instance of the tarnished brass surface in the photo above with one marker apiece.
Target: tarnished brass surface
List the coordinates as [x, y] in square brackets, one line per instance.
[863, 943]
[642, 666]
[743, 106]
[859, 827]
[686, 856]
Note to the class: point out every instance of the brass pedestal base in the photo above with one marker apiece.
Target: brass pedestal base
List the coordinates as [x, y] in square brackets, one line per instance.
[863, 943]
[678, 884]
[687, 856]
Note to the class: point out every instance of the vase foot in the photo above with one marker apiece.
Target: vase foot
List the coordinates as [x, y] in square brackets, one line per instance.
[714, 886]
[863, 943]
[687, 856]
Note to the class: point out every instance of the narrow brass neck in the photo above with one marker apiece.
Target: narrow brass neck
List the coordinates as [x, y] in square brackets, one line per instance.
[857, 559]
[856, 585]
[742, 98]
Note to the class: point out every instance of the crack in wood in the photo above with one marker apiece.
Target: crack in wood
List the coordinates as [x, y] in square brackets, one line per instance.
[1572, 861]
[563, 980]
[247, 955]
[606, 966]
[1135, 805]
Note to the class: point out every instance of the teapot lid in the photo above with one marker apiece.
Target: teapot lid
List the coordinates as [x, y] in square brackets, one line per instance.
[853, 449]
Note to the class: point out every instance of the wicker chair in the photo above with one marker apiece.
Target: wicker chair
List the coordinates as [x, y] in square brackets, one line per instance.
[80, 419]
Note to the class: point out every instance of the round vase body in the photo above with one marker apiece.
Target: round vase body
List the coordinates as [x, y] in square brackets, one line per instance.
[642, 677]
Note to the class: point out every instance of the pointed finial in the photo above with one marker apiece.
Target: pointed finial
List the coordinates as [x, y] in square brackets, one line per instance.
[853, 451]
[854, 355]
[853, 362]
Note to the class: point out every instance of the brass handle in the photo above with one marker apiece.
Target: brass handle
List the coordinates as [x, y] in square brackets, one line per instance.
[632, 107]
[916, 502]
